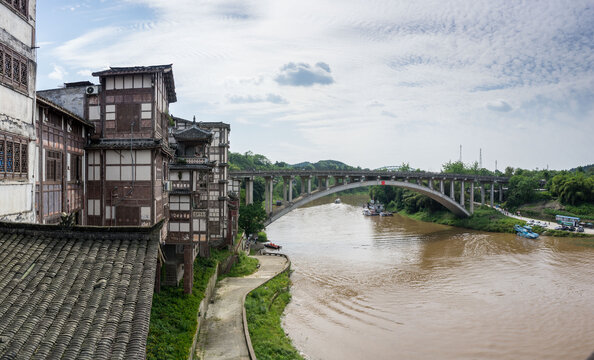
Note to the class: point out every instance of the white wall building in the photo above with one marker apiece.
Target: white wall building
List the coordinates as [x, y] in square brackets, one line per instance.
[17, 107]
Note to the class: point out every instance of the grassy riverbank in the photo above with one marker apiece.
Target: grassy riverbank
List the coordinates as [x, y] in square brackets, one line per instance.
[173, 314]
[484, 219]
[264, 308]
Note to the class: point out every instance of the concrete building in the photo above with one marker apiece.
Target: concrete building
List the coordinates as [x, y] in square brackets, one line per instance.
[17, 109]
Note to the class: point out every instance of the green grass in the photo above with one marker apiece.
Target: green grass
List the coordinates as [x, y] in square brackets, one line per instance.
[244, 266]
[264, 308]
[484, 219]
[173, 314]
[487, 219]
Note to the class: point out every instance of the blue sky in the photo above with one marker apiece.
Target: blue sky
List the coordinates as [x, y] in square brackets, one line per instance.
[366, 82]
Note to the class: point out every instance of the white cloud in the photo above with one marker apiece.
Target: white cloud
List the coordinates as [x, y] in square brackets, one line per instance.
[499, 105]
[342, 70]
[58, 73]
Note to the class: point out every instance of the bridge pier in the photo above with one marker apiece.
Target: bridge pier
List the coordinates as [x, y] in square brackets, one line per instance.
[268, 187]
[323, 180]
[441, 187]
[452, 190]
[500, 193]
[492, 193]
[431, 183]
[249, 190]
[462, 193]
[482, 193]
[472, 197]
[290, 189]
[309, 185]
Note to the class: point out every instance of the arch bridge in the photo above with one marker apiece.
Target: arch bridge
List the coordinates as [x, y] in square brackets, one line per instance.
[454, 191]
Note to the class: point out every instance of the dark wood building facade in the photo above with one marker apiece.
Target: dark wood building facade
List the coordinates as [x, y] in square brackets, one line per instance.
[129, 153]
[60, 185]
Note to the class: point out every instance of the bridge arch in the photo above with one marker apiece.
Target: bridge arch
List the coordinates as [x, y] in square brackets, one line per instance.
[443, 199]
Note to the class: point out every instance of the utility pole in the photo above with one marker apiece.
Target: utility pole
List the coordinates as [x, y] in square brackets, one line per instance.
[481, 158]
[495, 165]
[460, 153]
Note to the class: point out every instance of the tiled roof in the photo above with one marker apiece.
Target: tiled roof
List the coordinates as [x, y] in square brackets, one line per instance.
[181, 166]
[204, 124]
[41, 99]
[192, 133]
[123, 144]
[84, 293]
[167, 71]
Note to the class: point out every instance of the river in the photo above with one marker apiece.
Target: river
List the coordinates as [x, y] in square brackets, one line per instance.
[396, 288]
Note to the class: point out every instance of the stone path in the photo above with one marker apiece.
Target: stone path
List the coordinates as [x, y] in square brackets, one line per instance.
[222, 336]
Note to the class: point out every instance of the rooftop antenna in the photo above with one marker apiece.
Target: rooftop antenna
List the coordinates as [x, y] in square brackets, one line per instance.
[460, 153]
[481, 158]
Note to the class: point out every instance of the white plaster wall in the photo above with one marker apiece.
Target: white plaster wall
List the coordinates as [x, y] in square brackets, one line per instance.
[16, 112]
[16, 198]
[19, 28]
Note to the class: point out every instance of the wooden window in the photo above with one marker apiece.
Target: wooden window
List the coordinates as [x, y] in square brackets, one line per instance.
[19, 6]
[14, 69]
[76, 167]
[13, 157]
[128, 215]
[128, 117]
[53, 166]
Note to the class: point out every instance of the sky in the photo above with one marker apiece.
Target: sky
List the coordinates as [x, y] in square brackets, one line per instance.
[370, 83]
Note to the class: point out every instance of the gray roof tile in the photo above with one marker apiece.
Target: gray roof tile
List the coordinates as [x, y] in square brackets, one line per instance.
[81, 293]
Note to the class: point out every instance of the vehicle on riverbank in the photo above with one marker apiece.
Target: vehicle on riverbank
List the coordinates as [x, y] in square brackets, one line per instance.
[337, 201]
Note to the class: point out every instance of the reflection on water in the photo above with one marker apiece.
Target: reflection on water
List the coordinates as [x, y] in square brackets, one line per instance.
[395, 288]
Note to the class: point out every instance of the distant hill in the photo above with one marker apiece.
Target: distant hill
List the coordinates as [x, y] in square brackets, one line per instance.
[586, 168]
[323, 165]
[251, 161]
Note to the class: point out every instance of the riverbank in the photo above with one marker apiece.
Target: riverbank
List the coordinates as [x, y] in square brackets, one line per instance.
[483, 219]
[173, 321]
[264, 308]
[223, 336]
[487, 219]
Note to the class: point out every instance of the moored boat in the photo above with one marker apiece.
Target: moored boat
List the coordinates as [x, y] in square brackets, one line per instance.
[525, 231]
[272, 246]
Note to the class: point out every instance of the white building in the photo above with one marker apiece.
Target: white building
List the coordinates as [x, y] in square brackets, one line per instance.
[17, 108]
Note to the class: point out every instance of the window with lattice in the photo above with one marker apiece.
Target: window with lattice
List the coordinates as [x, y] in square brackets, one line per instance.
[13, 157]
[14, 68]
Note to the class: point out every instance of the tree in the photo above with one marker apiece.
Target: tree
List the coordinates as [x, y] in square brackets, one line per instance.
[251, 218]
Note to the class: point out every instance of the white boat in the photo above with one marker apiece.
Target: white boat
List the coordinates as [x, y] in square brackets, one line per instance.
[337, 201]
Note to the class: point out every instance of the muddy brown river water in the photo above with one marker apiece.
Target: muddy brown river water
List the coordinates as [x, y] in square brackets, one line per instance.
[396, 288]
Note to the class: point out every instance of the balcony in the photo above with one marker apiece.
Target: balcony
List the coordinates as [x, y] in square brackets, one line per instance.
[181, 185]
[191, 160]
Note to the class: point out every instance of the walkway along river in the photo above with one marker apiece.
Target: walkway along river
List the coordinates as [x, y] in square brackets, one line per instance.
[396, 288]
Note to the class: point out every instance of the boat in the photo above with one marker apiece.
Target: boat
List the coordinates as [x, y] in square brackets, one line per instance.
[373, 208]
[386, 213]
[273, 246]
[337, 201]
[525, 231]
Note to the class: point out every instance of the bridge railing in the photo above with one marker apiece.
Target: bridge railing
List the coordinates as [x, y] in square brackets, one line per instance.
[369, 174]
